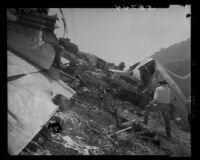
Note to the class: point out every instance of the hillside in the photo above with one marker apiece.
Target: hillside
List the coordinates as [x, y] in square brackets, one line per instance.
[104, 117]
[74, 104]
[176, 57]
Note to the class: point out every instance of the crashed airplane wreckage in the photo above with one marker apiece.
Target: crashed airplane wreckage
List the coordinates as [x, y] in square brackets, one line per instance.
[150, 72]
[32, 80]
[100, 109]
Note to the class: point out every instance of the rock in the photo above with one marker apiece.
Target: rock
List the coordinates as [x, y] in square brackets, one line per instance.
[46, 152]
[85, 90]
[63, 102]
[41, 140]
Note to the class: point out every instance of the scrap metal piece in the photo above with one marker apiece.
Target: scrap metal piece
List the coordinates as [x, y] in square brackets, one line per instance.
[30, 103]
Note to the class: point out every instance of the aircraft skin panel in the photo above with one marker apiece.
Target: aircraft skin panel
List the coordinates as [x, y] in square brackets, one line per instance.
[18, 66]
[30, 103]
[57, 85]
[24, 41]
[32, 83]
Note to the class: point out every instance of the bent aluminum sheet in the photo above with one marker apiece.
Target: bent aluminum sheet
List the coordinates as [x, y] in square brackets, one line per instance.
[30, 105]
[29, 108]
[17, 66]
[24, 40]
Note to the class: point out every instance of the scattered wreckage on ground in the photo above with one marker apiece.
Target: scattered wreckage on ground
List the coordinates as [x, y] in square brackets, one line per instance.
[61, 102]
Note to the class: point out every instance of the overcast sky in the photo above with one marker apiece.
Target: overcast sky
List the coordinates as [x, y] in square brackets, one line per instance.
[124, 35]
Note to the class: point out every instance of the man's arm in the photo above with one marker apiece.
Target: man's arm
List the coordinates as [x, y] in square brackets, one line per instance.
[155, 96]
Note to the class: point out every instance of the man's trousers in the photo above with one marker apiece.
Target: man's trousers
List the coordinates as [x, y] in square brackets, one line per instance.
[164, 109]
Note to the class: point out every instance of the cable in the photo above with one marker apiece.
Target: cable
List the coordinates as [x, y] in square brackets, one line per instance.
[64, 23]
[64, 73]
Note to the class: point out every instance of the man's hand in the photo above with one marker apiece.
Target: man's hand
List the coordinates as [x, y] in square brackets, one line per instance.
[153, 103]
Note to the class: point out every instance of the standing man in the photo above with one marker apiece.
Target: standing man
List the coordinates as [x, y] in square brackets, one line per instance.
[162, 97]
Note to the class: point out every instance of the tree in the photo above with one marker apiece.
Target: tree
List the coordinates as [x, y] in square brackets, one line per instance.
[121, 66]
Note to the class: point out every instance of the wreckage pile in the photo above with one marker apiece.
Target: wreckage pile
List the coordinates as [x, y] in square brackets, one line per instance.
[104, 118]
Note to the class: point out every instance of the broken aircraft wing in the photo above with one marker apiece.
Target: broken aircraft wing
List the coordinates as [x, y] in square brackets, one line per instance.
[30, 103]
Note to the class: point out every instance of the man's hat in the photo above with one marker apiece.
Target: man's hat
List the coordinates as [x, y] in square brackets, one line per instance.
[163, 82]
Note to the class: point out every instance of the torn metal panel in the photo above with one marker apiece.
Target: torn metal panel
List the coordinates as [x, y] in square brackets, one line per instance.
[30, 103]
[18, 67]
[143, 71]
[37, 21]
[57, 85]
[27, 42]
[29, 108]
[145, 62]
[117, 71]
[126, 77]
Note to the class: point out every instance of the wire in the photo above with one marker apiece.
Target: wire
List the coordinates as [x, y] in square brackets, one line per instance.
[64, 73]
[64, 23]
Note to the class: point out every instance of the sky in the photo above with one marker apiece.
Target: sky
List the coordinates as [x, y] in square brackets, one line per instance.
[127, 35]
